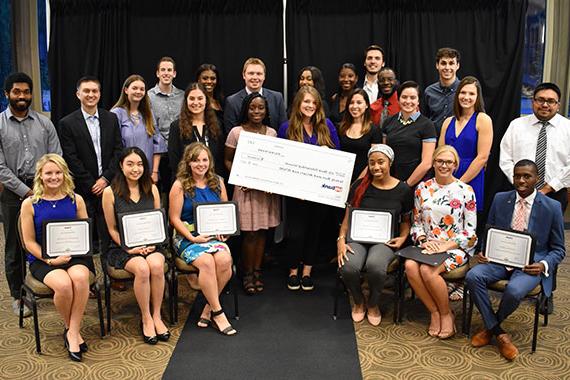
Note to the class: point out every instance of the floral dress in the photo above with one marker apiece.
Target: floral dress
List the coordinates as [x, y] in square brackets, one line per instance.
[446, 212]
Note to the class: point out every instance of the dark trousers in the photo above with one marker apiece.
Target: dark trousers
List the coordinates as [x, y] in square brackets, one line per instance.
[561, 196]
[304, 221]
[101, 238]
[165, 174]
[11, 204]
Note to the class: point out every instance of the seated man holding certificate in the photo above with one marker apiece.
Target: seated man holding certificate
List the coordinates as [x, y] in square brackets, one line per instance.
[67, 276]
[523, 209]
[378, 190]
[197, 182]
[445, 219]
[132, 190]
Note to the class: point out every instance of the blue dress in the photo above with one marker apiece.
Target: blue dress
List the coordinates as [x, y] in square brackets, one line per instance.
[466, 146]
[187, 250]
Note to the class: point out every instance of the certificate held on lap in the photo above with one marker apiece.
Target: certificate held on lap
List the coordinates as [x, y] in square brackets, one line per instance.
[292, 169]
[509, 247]
[142, 228]
[66, 238]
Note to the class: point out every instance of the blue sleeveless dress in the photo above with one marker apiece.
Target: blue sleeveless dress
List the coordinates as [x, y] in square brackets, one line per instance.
[187, 250]
[61, 209]
[466, 146]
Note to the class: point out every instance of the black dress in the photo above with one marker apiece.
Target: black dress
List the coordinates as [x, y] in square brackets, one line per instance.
[360, 147]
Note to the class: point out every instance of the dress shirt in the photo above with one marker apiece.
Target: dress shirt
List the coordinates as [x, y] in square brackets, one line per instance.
[22, 144]
[94, 128]
[377, 107]
[438, 102]
[248, 91]
[519, 142]
[371, 88]
[528, 202]
[165, 107]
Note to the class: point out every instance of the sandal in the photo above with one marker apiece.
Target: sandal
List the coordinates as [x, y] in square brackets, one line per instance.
[258, 281]
[248, 285]
[203, 323]
[456, 294]
[228, 331]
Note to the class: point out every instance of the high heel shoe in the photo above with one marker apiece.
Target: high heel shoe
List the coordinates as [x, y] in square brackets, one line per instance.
[164, 336]
[228, 331]
[75, 356]
[82, 346]
[152, 340]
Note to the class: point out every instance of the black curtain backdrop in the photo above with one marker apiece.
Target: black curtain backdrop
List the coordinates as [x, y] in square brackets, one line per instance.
[115, 38]
[112, 39]
[488, 33]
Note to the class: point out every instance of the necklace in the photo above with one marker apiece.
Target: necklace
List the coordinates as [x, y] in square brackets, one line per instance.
[52, 203]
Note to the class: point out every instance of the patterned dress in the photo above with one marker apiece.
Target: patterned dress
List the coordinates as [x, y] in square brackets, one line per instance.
[446, 212]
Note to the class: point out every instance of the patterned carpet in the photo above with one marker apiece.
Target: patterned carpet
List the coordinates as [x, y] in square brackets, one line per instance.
[389, 352]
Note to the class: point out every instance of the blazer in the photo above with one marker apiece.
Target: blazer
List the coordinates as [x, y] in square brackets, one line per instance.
[545, 223]
[79, 153]
[232, 109]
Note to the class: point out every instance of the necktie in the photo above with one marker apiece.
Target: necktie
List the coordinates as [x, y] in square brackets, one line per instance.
[384, 112]
[540, 159]
[519, 216]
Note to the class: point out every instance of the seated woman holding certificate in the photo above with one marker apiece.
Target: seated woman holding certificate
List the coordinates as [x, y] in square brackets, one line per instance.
[132, 190]
[307, 124]
[380, 191]
[67, 276]
[445, 219]
[196, 182]
[258, 210]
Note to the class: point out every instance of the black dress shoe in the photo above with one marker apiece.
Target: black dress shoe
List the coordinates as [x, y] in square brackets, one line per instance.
[163, 337]
[75, 356]
[83, 347]
[548, 306]
[148, 339]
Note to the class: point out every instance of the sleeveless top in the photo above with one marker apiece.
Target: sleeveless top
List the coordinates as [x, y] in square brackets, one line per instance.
[466, 146]
[145, 203]
[200, 195]
[61, 209]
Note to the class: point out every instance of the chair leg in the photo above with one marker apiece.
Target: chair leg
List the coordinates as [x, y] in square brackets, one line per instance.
[21, 316]
[545, 305]
[402, 291]
[108, 303]
[171, 298]
[36, 325]
[175, 296]
[539, 302]
[464, 306]
[97, 291]
[234, 280]
[337, 291]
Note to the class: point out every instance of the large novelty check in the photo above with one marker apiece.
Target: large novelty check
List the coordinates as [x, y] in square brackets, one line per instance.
[292, 168]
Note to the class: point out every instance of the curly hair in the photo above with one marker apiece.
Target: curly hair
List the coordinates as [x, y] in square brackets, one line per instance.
[295, 130]
[185, 121]
[184, 173]
[67, 185]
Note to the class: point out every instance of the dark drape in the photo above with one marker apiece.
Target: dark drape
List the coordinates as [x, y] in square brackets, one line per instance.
[112, 39]
[489, 34]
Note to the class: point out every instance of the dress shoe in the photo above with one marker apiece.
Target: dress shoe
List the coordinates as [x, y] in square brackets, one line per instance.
[164, 336]
[507, 349]
[374, 320]
[482, 338]
[152, 340]
[75, 356]
[358, 316]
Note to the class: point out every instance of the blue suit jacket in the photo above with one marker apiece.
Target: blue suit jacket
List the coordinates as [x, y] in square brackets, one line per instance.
[546, 224]
[232, 108]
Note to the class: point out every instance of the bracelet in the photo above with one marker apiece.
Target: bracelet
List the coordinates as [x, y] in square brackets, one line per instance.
[340, 237]
[48, 261]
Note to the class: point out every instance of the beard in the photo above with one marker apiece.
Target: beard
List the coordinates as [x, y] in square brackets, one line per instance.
[16, 105]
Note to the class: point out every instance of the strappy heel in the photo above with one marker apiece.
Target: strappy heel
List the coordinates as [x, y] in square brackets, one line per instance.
[228, 331]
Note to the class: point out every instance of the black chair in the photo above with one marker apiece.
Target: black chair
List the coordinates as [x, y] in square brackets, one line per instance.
[536, 295]
[122, 275]
[32, 290]
[179, 267]
[392, 270]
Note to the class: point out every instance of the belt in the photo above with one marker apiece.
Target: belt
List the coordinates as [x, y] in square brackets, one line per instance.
[28, 181]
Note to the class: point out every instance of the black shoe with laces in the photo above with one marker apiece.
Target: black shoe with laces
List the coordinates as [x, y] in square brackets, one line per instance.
[293, 282]
[307, 283]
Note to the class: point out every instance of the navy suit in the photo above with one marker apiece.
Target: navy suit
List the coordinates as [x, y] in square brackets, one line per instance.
[546, 224]
[232, 109]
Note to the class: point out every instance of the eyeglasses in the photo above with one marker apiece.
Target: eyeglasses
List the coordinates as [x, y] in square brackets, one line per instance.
[444, 162]
[541, 101]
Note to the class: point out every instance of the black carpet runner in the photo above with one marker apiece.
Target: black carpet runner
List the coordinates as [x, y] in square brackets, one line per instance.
[282, 335]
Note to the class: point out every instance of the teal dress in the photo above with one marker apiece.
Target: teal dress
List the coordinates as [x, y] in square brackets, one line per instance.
[185, 249]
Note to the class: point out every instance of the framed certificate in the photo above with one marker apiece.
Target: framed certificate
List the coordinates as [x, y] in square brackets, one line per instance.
[217, 218]
[509, 247]
[142, 228]
[416, 254]
[370, 226]
[66, 238]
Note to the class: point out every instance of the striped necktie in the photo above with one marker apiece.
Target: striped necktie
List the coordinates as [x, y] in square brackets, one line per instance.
[519, 222]
[541, 154]
[384, 115]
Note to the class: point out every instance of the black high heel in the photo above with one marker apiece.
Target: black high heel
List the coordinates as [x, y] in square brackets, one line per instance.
[164, 336]
[75, 356]
[82, 346]
[148, 339]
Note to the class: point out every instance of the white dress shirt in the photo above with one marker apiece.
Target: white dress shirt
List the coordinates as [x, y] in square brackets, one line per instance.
[93, 126]
[519, 142]
[371, 88]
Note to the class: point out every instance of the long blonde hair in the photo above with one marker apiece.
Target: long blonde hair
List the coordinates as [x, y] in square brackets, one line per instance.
[67, 186]
[318, 120]
[184, 173]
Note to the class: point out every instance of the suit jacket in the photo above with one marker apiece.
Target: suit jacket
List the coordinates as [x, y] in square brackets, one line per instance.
[79, 153]
[232, 109]
[545, 223]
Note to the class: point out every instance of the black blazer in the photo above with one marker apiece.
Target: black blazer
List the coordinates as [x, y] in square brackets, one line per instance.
[232, 109]
[79, 153]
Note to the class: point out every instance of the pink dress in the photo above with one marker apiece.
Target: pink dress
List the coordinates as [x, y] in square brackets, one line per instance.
[258, 210]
